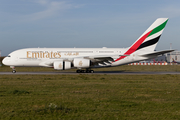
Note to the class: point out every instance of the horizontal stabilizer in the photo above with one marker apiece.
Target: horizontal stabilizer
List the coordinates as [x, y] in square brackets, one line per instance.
[157, 53]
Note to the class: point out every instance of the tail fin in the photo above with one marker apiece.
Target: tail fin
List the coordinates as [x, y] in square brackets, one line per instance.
[148, 40]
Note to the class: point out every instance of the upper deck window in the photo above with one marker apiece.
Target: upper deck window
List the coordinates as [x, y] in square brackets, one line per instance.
[75, 51]
[106, 51]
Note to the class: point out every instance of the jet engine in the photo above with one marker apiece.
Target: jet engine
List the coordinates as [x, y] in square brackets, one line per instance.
[62, 65]
[81, 63]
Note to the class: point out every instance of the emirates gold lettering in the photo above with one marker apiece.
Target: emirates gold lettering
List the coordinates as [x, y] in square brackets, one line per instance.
[54, 55]
[59, 55]
[35, 55]
[71, 54]
[28, 54]
[47, 55]
[41, 54]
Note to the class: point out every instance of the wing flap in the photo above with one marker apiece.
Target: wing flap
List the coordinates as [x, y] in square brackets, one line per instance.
[104, 58]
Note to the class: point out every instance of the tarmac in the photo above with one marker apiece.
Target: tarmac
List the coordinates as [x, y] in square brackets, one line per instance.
[96, 73]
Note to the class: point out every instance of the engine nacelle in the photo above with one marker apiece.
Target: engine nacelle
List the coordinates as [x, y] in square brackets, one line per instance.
[81, 63]
[62, 65]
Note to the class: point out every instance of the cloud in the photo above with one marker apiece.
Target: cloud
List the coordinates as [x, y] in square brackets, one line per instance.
[34, 11]
[51, 8]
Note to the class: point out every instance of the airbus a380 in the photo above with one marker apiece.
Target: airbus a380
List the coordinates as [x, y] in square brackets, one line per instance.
[87, 58]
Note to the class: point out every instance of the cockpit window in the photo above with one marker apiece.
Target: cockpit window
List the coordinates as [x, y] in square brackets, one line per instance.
[8, 56]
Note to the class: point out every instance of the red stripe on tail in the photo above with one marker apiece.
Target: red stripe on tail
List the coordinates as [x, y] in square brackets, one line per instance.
[135, 46]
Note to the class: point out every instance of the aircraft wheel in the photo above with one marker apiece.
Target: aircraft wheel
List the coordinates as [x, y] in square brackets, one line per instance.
[14, 71]
[84, 71]
[87, 71]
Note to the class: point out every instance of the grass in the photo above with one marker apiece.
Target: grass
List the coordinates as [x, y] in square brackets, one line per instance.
[90, 97]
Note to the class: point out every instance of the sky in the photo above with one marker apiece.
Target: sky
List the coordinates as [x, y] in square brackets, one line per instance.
[84, 23]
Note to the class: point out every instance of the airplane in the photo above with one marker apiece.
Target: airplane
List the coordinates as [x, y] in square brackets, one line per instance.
[84, 59]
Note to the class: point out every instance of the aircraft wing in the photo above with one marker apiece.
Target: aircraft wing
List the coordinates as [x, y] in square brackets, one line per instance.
[103, 59]
[156, 53]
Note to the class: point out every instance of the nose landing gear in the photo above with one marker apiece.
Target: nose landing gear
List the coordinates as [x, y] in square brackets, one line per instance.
[13, 69]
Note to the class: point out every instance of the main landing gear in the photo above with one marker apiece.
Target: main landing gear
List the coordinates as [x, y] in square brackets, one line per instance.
[85, 71]
[13, 69]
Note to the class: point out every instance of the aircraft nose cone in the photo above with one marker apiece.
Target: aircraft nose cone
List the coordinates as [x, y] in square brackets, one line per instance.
[5, 61]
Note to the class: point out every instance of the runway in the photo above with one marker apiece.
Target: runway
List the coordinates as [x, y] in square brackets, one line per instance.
[95, 73]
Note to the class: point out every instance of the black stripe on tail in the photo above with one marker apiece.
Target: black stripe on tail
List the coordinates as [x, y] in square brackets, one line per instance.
[149, 43]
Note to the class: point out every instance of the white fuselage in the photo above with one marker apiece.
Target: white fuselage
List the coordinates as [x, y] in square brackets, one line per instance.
[46, 56]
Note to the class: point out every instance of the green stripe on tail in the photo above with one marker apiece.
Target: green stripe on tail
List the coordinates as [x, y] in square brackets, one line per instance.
[159, 28]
